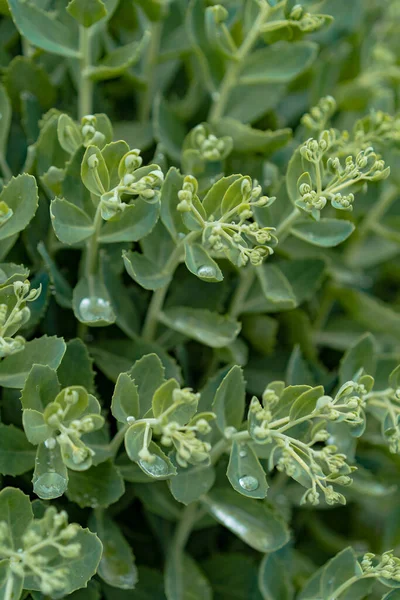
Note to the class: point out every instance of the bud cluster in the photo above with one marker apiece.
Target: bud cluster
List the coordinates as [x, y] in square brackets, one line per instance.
[307, 22]
[15, 314]
[210, 147]
[43, 542]
[235, 232]
[178, 427]
[388, 566]
[320, 114]
[90, 135]
[347, 406]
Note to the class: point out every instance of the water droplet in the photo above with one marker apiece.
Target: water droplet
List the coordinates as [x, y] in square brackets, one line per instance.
[248, 483]
[50, 485]
[95, 309]
[242, 453]
[158, 468]
[206, 271]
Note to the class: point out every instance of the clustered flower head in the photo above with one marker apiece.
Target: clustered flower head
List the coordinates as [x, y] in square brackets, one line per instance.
[66, 417]
[329, 175]
[347, 406]
[320, 114]
[135, 182]
[14, 314]
[388, 566]
[178, 431]
[307, 22]
[210, 147]
[236, 230]
[42, 540]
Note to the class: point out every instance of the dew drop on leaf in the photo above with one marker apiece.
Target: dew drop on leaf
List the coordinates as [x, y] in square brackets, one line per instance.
[95, 309]
[206, 271]
[158, 468]
[50, 485]
[249, 483]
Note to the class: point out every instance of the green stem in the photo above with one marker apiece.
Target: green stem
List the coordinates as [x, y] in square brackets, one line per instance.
[149, 70]
[8, 592]
[118, 439]
[284, 228]
[92, 245]
[157, 301]
[85, 88]
[242, 290]
[347, 584]
[5, 169]
[373, 216]
[184, 527]
[231, 76]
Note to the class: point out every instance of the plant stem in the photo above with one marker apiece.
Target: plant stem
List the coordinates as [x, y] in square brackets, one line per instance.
[185, 525]
[157, 301]
[284, 228]
[4, 166]
[372, 217]
[231, 76]
[85, 88]
[149, 70]
[118, 439]
[92, 245]
[347, 584]
[8, 592]
[242, 289]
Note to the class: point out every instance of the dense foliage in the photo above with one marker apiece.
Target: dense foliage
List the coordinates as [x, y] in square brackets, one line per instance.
[199, 299]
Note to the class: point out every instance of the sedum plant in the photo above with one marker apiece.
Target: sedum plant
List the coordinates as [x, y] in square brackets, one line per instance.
[199, 300]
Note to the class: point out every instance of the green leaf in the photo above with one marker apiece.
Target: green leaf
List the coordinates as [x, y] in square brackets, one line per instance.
[191, 482]
[50, 478]
[212, 200]
[305, 403]
[11, 584]
[184, 580]
[168, 129]
[113, 154]
[278, 63]
[87, 12]
[41, 387]
[233, 571]
[276, 288]
[170, 216]
[247, 139]
[61, 287]
[360, 356]
[16, 454]
[91, 303]
[209, 328]
[98, 487]
[78, 569]
[200, 263]
[163, 397]
[245, 472]
[35, 427]
[117, 566]
[305, 276]
[229, 400]
[148, 375]
[76, 367]
[370, 312]
[342, 567]
[5, 120]
[161, 467]
[21, 196]
[119, 60]
[326, 233]
[94, 171]
[136, 221]
[271, 586]
[45, 350]
[43, 31]
[125, 400]
[71, 224]
[249, 102]
[16, 511]
[252, 521]
[144, 271]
